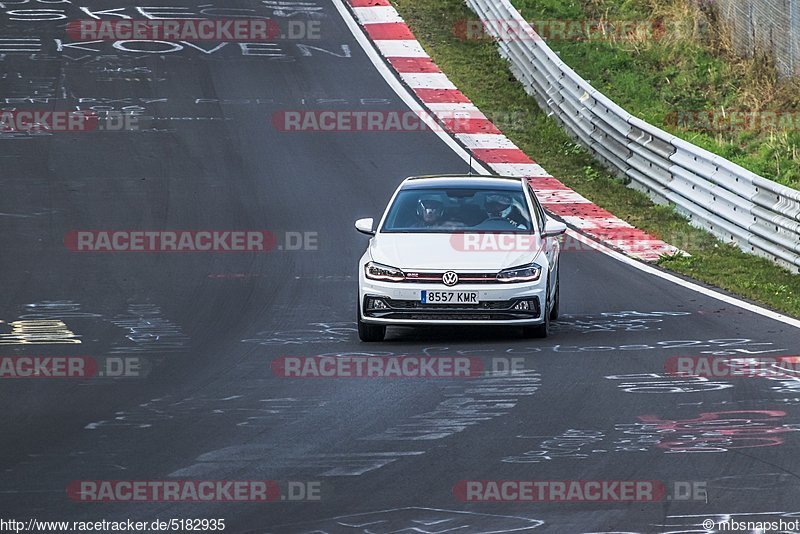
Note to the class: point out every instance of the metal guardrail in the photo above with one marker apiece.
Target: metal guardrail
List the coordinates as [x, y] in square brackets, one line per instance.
[762, 217]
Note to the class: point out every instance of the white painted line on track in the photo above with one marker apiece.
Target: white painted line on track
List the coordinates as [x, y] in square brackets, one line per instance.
[400, 89]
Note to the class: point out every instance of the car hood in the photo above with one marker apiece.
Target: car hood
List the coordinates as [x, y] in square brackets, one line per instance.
[476, 252]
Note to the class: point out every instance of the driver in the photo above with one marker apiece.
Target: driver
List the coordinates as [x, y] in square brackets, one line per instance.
[500, 206]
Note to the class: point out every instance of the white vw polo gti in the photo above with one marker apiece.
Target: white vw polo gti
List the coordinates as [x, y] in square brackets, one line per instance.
[460, 250]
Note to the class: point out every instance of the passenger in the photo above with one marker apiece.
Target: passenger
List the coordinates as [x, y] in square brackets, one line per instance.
[430, 213]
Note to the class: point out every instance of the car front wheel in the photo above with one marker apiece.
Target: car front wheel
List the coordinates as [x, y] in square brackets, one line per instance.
[540, 330]
[371, 333]
[554, 309]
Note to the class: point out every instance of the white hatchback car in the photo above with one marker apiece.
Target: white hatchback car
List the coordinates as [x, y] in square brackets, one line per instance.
[460, 250]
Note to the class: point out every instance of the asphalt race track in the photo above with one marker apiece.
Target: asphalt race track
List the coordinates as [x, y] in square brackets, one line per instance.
[201, 329]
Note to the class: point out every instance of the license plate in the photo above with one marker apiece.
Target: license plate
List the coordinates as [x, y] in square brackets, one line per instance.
[450, 297]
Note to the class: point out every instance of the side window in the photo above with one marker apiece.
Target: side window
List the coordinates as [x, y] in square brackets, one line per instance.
[538, 211]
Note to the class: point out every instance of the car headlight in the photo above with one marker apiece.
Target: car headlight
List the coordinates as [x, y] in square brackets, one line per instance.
[526, 273]
[377, 271]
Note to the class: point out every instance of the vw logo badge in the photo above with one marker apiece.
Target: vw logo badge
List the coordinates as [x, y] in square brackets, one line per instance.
[450, 278]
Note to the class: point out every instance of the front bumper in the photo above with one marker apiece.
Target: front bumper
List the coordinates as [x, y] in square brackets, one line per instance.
[499, 304]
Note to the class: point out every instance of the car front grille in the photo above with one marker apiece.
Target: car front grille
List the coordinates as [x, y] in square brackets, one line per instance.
[483, 311]
[417, 305]
[463, 278]
[457, 317]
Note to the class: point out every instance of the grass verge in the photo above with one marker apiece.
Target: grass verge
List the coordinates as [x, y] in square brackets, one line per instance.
[682, 75]
[477, 69]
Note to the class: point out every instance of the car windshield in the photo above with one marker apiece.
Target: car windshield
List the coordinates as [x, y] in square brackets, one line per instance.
[458, 210]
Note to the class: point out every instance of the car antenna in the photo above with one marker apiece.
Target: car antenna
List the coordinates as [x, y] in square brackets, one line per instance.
[470, 164]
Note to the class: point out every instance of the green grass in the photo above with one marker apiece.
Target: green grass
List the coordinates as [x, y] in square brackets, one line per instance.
[476, 68]
[688, 68]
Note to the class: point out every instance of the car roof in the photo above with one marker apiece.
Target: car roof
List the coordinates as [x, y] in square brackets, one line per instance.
[462, 181]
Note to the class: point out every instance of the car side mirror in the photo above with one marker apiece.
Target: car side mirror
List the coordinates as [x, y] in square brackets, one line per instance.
[365, 226]
[553, 228]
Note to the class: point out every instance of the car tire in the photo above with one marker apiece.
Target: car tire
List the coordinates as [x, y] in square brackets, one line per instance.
[369, 333]
[540, 331]
[556, 300]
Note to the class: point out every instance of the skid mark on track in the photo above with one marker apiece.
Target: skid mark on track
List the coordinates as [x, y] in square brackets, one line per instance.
[482, 399]
[242, 410]
[335, 332]
[267, 458]
[412, 519]
[709, 432]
